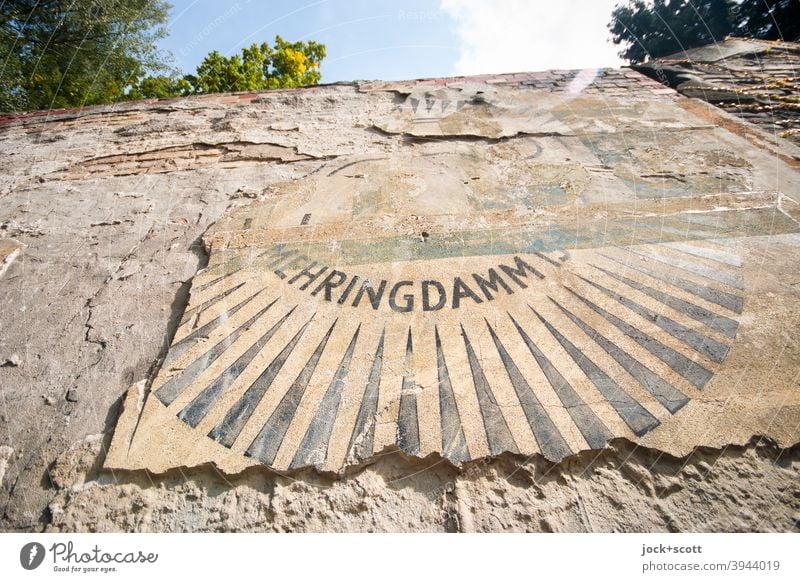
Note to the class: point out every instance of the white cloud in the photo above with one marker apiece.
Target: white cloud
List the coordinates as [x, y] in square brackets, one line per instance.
[517, 35]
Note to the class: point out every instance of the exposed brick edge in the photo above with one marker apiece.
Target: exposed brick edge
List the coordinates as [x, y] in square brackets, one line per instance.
[637, 79]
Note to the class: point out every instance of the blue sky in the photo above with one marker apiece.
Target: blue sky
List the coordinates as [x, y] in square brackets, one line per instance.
[393, 40]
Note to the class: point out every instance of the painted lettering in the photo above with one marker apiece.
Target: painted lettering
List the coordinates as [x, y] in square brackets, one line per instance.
[374, 295]
[516, 274]
[426, 300]
[408, 298]
[492, 283]
[461, 290]
[307, 272]
[328, 283]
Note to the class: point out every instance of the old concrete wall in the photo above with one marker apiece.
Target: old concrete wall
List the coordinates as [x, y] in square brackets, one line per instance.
[102, 217]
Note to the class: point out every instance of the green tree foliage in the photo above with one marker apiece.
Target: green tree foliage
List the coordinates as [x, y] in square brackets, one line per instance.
[67, 53]
[769, 19]
[283, 65]
[158, 86]
[662, 27]
[70, 53]
[655, 28]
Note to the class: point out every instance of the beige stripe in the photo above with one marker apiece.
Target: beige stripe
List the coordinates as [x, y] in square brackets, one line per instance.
[564, 363]
[660, 285]
[455, 355]
[391, 384]
[529, 367]
[229, 356]
[498, 379]
[427, 378]
[352, 393]
[283, 382]
[639, 323]
[245, 339]
[197, 320]
[656, 306]
[323, 375]
[614, 335]
[281, 338]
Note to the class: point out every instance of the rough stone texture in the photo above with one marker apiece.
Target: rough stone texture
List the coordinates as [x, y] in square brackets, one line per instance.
[110, 204]
[624, 488]
[9, 250]
[754, 80]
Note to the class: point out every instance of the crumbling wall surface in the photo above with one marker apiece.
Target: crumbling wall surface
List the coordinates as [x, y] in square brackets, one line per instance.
[754, 80]
[109, 249]
[102, 214]
[623, 488]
